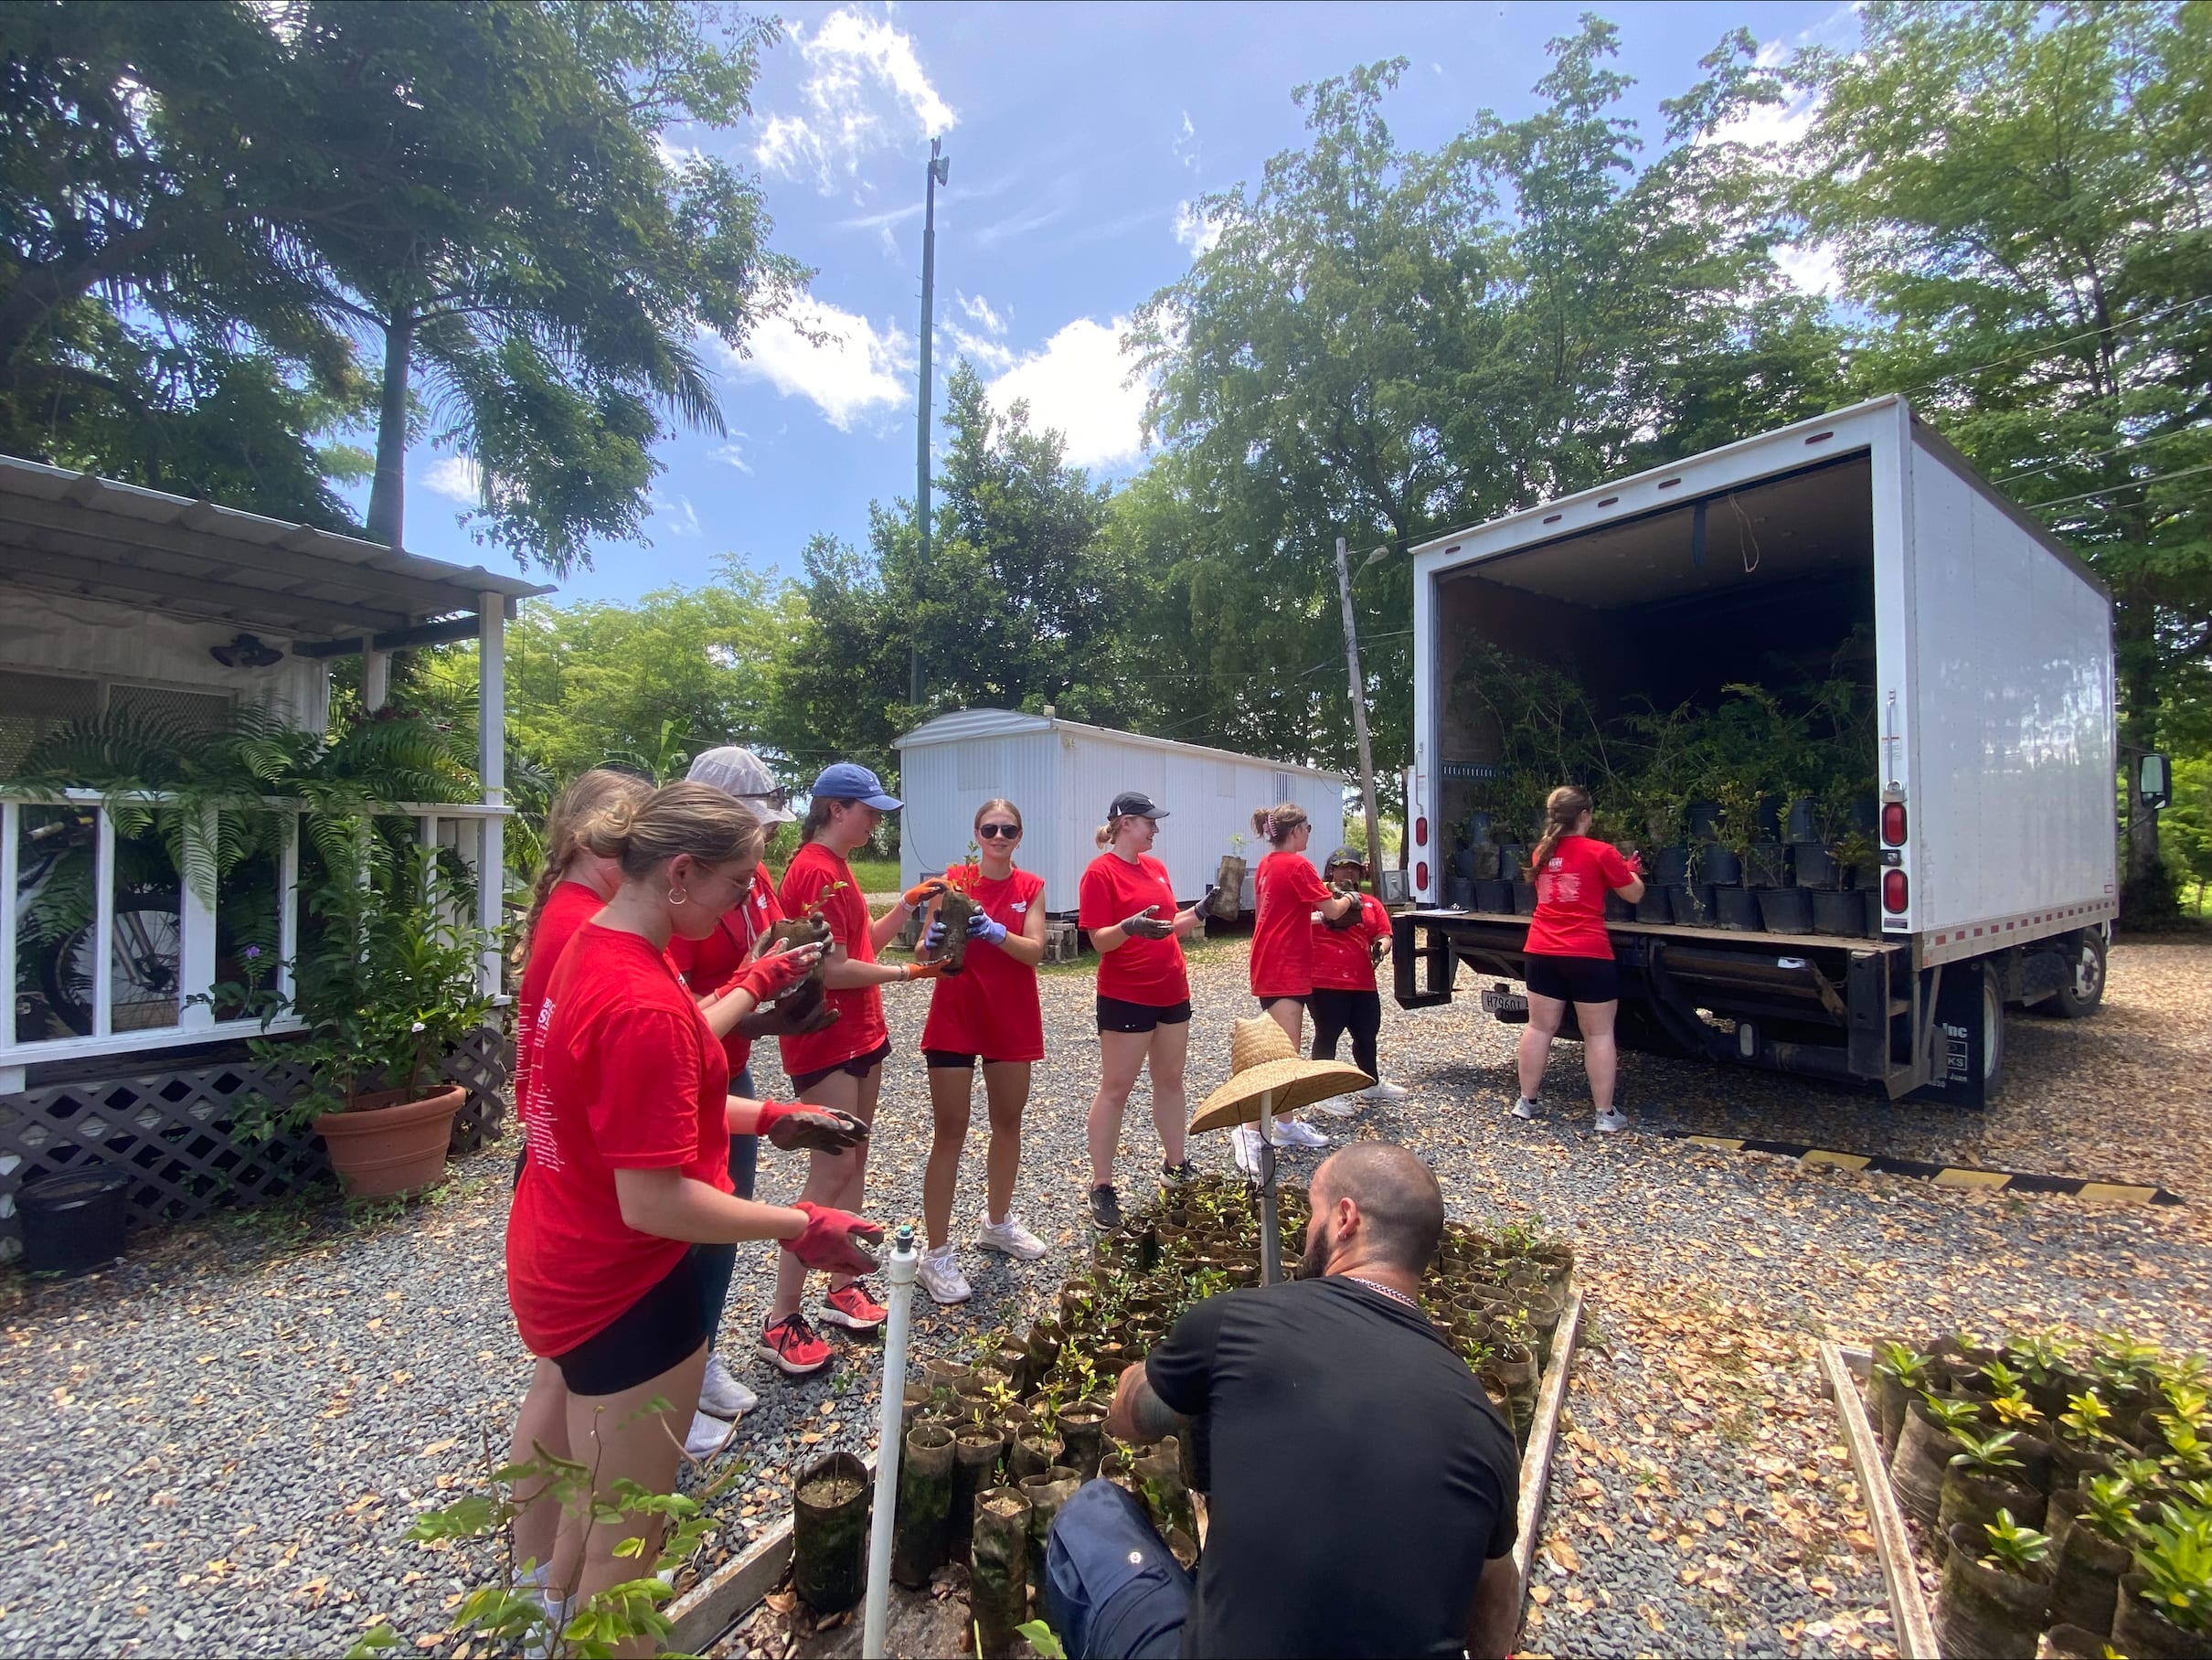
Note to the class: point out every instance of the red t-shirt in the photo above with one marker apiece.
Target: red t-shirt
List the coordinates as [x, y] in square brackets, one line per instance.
[568, 907]
[1344, 960]
[1150, 972]
[1570, 898]
[628, 1078]
[1286, 887]
[859, 1026]
[706, 964]
[990, 1009]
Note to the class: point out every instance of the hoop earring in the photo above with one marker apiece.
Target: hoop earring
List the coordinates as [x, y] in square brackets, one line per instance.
[678, 899]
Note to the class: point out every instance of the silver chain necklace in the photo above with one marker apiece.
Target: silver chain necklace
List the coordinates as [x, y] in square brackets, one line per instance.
[1395, 1296]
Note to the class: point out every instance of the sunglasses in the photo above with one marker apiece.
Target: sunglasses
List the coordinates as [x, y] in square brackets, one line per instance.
[999, 833]
[777, 799]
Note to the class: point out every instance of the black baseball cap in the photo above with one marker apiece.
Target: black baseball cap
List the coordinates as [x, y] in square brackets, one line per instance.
[1136, 804]
[1347, 856]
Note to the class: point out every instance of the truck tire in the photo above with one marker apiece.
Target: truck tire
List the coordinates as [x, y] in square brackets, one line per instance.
[2083, 990]
[1993, 1032]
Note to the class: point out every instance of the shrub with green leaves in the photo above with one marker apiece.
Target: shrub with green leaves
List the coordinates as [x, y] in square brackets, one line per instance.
[2108, 1508]
[2173, 1554]
[2016, 1548]
[2087, 1420]
[1902, 1364]
[1989, 1455]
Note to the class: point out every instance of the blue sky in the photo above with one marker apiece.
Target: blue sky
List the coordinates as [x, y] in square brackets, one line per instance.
[1078, 135]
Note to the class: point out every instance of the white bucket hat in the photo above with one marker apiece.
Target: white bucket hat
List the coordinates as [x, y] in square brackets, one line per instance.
[741, 773]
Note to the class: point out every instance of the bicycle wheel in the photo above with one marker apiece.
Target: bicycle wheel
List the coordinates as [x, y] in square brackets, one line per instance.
[148, 966]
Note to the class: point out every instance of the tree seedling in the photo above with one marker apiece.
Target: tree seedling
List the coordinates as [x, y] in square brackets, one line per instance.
[1955, 1416]
[2173, 1554]
[1989, 1455]
[1903, 1365]
[2086, 1418]
[2108, 1505]
[2013, 1548]
[2016, 1412]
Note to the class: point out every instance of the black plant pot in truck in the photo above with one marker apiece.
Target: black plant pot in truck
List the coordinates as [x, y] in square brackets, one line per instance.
[1838, 913]
[1812, 866]
[1737, 909]
[1704, 820]
[1670, 867]
[1618, 909]
[1718, 867]
[1693, 906]
[1658, 904]
[1460, 891]
[1494, 897]
[1766, 865]
[1523, 898]
[1797, 824]
[1786, 911]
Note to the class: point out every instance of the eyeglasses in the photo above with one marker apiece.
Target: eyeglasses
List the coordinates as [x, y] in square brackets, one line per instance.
[777, 799]
[999, 833]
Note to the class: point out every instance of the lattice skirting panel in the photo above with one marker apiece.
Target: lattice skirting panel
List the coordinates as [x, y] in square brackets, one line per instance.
[171, 1131]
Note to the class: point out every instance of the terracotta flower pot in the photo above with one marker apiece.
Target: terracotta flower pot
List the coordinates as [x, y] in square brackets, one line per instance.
[387, 1144]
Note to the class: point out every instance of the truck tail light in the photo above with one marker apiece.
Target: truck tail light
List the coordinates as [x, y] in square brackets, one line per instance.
[1895, 892]
[1420, 831]
[1893, 825]
[1420, 876]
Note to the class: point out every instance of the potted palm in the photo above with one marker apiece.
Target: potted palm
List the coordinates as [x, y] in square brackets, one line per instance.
[387, 984]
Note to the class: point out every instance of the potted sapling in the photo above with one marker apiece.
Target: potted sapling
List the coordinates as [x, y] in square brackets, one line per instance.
[1898, 1374]
[1985, 1477]
[1996, 1589]
[2164, 1608]
[2092, 1528]
[1924, 1447]
[1227, 903]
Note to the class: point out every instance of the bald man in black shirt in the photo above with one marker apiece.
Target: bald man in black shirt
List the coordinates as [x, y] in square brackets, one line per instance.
[1361, 1487]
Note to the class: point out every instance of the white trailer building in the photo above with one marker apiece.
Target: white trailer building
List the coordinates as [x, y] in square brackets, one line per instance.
[1062, 774]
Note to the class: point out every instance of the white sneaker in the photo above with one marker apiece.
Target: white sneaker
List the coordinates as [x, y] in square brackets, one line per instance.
[939, 1274]
[721, 1395]
[708, 1436]
[1336, 1106]
[1244, 1142]
[1526, 1108]
[1296, 1133]
[1609, 1120]
[1011, 1238]
[1382, 1090]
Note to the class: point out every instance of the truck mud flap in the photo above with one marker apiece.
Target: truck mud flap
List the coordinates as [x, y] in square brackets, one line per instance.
[1422, 969]
[1955, 1054]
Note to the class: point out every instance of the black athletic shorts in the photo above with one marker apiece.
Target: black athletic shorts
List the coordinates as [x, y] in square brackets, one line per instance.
[1572, 979]
[661, 1329]
[859, 1065]
[1268, 1003]
[1120, 1015]
[956, 1061]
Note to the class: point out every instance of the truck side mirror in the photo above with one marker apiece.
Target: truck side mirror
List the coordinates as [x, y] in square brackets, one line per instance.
[2155, 781]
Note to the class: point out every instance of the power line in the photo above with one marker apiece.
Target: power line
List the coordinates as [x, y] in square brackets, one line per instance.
[2083, 461]
[2052, 346]
[2136, 484]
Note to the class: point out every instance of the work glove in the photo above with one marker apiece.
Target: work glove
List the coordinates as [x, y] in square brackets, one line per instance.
[981, 927]
[933, 936]
[1351, 917]
[793, 1125]
[921, 970]
[1145, 926]
[836, 1240]
[921, 893]
[769, 977]
[806, 1008]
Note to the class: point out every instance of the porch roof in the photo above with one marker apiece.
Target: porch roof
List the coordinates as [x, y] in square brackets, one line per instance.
[74, 533]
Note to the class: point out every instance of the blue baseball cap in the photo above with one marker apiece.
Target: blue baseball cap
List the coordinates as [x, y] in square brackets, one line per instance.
[849, 781]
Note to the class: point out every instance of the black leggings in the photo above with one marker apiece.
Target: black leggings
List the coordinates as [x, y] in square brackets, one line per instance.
[1335, 1012]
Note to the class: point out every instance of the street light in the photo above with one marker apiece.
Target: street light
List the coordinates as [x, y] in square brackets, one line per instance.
[1360, 702]
[940, 173]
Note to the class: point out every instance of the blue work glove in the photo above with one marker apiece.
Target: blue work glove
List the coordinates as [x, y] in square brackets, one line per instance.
[981, 927]
[933, 936]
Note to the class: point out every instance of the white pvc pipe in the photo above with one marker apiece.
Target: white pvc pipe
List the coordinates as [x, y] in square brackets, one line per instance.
[899, 1272]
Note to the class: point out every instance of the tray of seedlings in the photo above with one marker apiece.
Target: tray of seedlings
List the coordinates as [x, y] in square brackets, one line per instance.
[996, 1438]
[2033, 1496]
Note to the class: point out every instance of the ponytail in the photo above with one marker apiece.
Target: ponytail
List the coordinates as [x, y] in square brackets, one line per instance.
[575, 811]
[696, 819]
[1562, 807]
[1275, 824]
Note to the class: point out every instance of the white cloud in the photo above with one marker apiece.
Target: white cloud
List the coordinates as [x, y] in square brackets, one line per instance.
[1810, 268]
[733, 456]
[678, 516]
[865, 91]
[1198, 233]
[980, 313]
[985, 344]
[456, 477]
[1080, 384]
[676, 157]
[1185, 146]
[1776, 124]
[856, 368]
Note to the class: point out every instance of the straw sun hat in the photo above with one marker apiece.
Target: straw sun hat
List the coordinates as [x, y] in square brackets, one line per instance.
[1263, 1060]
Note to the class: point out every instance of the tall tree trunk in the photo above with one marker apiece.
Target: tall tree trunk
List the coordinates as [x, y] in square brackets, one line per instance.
[2146, 889]
[387, 496]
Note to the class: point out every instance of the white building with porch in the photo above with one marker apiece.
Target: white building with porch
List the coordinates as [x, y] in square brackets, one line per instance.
[118, 598]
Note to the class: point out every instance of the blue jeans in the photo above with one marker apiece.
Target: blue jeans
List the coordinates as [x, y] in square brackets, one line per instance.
[716, 1263]
[1113, 1589]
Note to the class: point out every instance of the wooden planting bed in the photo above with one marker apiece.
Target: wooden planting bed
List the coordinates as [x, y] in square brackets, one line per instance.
[1842, 1368]
[1213, 1249]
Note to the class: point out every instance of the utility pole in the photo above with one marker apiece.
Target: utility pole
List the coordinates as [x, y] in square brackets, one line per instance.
[939, 172]
[1359, 706]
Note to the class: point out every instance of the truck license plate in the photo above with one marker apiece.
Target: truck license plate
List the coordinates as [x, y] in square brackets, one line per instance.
[1506, 1004]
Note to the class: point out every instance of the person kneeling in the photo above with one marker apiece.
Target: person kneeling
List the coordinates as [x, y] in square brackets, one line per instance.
[1362, 1489]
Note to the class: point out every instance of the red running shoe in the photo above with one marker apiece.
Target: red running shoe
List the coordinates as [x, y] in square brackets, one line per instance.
[851, 1307]
[791, 1347]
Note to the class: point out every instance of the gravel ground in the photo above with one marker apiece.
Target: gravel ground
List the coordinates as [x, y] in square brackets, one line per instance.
[221, 1442]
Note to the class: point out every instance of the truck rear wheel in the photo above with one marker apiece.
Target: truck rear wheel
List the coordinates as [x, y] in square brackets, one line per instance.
[1993, 1032]
[2083, 988]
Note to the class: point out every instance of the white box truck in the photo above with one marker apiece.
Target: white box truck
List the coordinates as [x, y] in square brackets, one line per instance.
[1992, 677]
[1063, 773]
